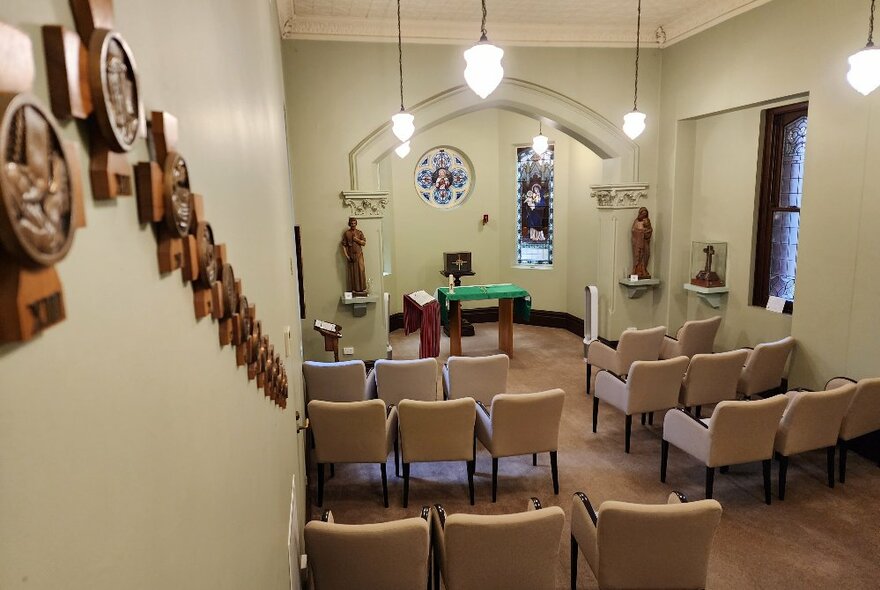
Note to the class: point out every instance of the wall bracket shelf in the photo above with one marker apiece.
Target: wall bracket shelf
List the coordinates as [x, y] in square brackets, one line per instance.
[359, 304]
[711, 295]
[635, 289]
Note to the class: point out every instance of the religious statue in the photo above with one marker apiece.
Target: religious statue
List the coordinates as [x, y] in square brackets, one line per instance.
[353, 241]
[641, 244]
[708, 277]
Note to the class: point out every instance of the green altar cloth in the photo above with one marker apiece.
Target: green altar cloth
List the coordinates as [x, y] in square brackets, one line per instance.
[522, 301]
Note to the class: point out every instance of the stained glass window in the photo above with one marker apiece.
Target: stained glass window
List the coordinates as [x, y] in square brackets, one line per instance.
[534, 206]
[781, 196]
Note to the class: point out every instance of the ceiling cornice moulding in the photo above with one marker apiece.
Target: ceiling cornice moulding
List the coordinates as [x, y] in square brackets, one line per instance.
[705, 15]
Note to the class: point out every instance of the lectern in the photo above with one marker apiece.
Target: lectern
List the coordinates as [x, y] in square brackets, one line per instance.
[331, 333]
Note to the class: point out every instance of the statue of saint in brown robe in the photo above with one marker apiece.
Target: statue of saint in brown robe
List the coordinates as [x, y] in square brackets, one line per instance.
[353, 241]
[641, 244]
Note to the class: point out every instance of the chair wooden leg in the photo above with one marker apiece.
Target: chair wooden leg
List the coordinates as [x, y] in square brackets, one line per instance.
[589, 377]
[534, 459]
[783, 469]
[436, 569]
[766, 466]
[471, 467]
[710, 482]
[664, 458]
[644, 418]
[574, 563]
[333, 470]
[494, 479]
[595, 413]
[628, 428]
[555, 472]
[650, 418]
[384, 483]
[725, 468]
[396, 458]
[699, 411]
[842, 461]
[830, 455]
[405, 484]
[320, 484]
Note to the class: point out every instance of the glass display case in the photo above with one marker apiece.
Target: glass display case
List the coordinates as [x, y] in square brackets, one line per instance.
[709, 264]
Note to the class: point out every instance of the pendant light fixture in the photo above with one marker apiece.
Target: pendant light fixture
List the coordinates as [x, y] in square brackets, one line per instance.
[864, 66]
[402, 122]
[402, 150]
[540, 142]
[634, 122]
[484, 71]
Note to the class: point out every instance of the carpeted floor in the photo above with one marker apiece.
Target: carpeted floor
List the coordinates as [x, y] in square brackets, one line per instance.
[817, 538]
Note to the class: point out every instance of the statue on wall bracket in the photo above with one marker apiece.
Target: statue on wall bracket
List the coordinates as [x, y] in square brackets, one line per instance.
[353, 242]
[642, 231]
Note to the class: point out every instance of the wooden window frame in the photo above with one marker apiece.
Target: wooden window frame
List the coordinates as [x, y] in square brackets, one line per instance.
[775, 120]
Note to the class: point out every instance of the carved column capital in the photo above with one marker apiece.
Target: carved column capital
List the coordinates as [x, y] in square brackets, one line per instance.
[365, 204]
[619, 196]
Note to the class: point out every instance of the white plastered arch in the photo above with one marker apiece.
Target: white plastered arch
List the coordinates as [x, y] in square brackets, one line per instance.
[619, 153]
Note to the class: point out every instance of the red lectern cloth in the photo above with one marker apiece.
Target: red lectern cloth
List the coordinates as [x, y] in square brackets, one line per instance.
[427, 318]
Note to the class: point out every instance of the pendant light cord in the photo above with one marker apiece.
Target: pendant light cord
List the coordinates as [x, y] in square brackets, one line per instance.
[870, 26]
[483, 31]
[400, 54]
[638, 32]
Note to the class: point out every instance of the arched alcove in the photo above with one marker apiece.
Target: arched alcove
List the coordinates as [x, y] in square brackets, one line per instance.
[620, 154]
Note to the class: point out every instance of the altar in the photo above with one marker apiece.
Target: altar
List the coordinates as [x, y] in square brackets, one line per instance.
[511, 299]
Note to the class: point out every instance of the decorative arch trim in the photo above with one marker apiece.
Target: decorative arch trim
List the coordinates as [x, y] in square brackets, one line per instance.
[555, 109]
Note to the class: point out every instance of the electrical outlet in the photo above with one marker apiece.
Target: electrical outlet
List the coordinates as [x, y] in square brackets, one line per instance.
[348, 350]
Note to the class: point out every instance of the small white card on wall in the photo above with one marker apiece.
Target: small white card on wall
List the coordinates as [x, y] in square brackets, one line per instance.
[776, 304]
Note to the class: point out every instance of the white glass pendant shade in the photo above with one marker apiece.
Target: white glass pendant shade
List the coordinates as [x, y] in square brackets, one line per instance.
[402, 150]
[864, 70]
[540, 143]
[403, 127]
[484, 71]
[633, 124]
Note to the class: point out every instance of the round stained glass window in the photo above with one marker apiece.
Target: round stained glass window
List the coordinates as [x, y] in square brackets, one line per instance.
[444, 177]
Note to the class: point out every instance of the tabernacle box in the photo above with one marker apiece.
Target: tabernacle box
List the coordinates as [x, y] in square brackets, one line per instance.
[457, 262]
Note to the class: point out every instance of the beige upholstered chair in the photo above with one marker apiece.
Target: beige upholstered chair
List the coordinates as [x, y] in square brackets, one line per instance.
[383, 556]
[437, 431]
[510, 551]
[352, 432]
[862, 417]
[335, 382]
[711, 378]
[480, 377]
[640, 546]
[521, 424]
[392, 381]
[764, 367]
[634, 345]
[651, 386]
[738, 432]
[811, 421]
[694, 337]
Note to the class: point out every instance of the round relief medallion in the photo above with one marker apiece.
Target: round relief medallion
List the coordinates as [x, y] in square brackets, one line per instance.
[207, 261]
[444, 177]
[178, 197]
[227, 281]
[36, 220]
[114, 86]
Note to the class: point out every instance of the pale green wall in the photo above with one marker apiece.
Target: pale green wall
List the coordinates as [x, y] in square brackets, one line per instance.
[781, 49]
[724, 201]
[134, 453]
[489, 138]
[339, 93]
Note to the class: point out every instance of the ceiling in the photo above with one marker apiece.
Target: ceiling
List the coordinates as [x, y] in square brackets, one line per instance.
[606, 23]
